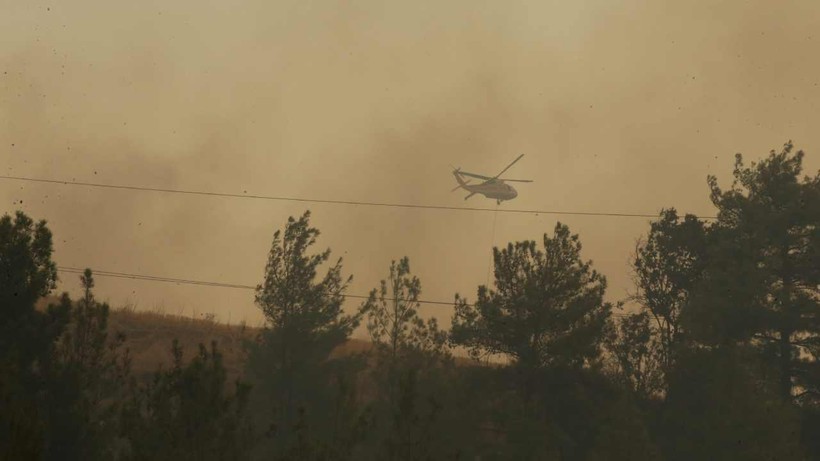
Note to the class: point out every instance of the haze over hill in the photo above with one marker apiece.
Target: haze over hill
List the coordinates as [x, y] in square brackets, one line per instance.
[618, 107]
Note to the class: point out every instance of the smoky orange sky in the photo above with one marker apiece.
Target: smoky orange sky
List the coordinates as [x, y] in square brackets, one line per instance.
[618, 107]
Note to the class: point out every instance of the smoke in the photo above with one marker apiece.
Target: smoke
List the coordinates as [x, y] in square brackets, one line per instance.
[617, 108]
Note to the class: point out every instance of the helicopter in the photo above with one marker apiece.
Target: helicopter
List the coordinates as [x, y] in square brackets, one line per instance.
[491, 187]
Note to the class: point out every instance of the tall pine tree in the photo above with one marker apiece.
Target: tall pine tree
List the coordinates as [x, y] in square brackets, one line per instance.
[775, 215]
[291, 362]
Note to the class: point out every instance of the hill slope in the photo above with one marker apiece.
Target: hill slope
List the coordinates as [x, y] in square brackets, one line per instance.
[149, 335]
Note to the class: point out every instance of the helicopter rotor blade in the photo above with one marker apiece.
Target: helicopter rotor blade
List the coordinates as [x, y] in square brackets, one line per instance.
[508, 166]
[473, 175]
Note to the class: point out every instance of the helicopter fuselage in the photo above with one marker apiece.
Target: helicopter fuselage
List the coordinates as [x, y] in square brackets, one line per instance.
[494, 189]
[491, 187]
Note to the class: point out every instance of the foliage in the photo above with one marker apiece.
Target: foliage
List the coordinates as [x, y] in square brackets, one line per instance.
[27, 335]
[718, 407]
[776, 216]
[666, 267]
[85, 382]
[637, 352]
[413, 428]
[547, 308]
[623, 433]
[393, 321]
[720, 362]
[407, 352]
[726, 306]
[291, 361]
[187, 412]
[27, 272]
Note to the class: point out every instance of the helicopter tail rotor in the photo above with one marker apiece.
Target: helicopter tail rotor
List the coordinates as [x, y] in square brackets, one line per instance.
[461, 181]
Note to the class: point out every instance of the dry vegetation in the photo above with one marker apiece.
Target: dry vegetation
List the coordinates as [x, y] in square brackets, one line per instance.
[149, 334]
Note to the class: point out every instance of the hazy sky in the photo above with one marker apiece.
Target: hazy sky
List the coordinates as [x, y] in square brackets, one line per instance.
[618, 107]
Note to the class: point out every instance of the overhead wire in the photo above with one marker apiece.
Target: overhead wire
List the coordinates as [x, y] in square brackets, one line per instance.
[294, 199]
[328, 201]
[154, 278]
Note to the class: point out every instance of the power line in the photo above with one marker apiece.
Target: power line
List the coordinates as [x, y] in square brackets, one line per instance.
[325, 201]
[154, 278]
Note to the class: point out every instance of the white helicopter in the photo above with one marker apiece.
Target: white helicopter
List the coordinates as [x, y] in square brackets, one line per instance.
[492, 187]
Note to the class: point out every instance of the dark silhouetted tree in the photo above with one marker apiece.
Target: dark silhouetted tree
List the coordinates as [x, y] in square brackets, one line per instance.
[549, 316]
[27, 335]
[719, 407]
[409, 354]
[188, 412]
[774, 217]
[667, 266]
[623, 434]
[85, 383]
[635, 346]
[547, 307]
[395, 327]
[727, 304]
[291, 362]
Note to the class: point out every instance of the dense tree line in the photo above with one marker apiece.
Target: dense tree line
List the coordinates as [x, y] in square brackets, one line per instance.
[714, 357]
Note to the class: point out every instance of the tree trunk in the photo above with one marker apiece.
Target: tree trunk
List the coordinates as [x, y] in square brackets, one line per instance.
[787, 326]
[785, 347]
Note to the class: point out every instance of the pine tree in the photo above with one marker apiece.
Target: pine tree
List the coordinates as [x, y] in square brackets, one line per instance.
[188, 412]
[547, 307]
[667, 266]
[773, 217]
[85, 382]
[409, 358]
[637, 352]
[27, 335]
[291, 362]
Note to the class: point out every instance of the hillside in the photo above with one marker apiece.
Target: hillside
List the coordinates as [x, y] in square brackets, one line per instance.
[149, 335]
